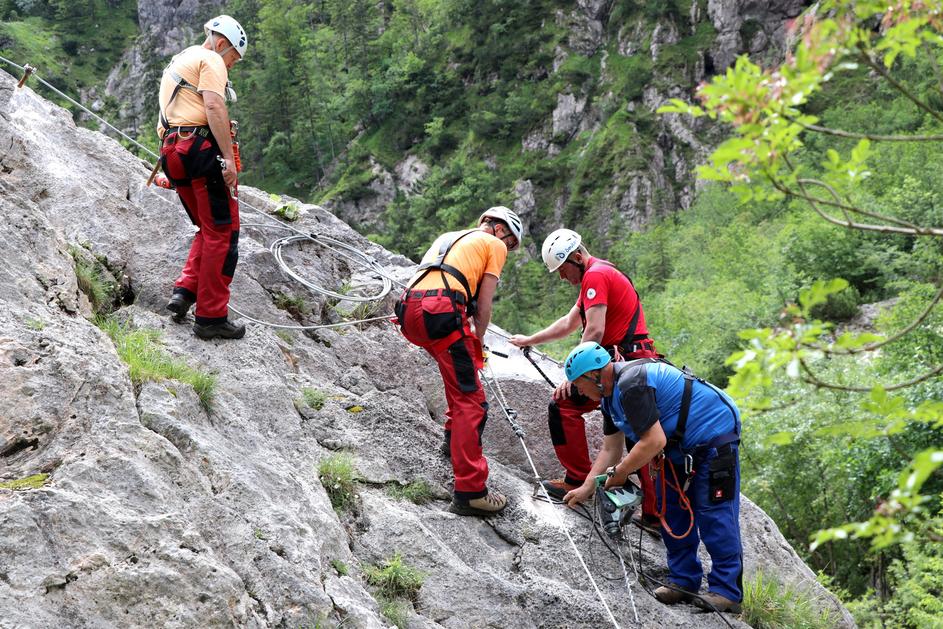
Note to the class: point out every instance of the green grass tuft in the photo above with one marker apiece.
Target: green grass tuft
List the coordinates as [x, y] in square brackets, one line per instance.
[35, 324]
[30, 482]
[313, 398]
[292, 304]
[393, 578]
[769, 605]
[340, 567]
[339, 478]
[397, 612]
[418, 492]
[90, 281]
[147, 360]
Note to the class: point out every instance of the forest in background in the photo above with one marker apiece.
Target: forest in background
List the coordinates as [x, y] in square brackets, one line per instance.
[331, 86]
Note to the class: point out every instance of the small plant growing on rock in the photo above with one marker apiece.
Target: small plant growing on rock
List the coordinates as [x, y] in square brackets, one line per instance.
[292, 304]
[35, 324]
[30, 482]
[288, 211]
[313, 398]
[769, 605]
[91, 282]
[339, 479]
[340, 567]
[287, 337]
[147, 360]
[418, 492]
[395, 611]
[394, 578]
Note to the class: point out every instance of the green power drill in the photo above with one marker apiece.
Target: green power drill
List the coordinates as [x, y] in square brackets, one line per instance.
[616, 505]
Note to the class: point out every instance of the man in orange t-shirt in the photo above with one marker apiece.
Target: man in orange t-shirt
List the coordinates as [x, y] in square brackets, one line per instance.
[456, 281]
[197, 156]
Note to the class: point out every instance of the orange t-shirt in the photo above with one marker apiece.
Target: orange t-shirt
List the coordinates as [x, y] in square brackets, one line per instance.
[474, 255]
[202, 68]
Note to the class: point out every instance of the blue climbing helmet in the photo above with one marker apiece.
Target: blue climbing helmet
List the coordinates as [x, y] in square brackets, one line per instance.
[585, 357]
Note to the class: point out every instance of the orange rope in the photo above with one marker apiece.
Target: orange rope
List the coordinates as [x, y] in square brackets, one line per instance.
[658, 464]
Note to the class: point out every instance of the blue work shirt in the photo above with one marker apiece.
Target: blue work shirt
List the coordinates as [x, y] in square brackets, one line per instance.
[648, 390]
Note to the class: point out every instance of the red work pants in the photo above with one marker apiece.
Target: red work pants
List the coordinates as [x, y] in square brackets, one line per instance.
[191, 165]
[568, 435]
[433, 322]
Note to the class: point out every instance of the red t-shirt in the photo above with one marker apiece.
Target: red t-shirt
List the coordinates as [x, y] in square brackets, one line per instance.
[604, 284]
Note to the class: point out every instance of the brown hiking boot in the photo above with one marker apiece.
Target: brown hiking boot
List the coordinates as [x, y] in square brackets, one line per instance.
[672, 595]
[713, 601]
[491, 504]
[558, 487]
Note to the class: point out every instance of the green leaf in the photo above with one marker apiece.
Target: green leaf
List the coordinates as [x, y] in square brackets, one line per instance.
[780, 439]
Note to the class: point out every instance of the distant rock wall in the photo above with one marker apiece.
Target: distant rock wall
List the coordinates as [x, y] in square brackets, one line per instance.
[166, 28]
[159, 512]
[666, 182]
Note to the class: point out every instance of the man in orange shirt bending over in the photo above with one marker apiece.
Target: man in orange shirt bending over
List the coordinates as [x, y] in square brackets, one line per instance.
[456, 282]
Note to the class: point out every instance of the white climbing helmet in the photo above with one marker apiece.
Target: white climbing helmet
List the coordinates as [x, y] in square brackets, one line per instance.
[231, 30]
[558, 246]
[507, 217]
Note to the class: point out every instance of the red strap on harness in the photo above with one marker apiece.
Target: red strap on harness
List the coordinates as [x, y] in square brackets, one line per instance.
[658, 465]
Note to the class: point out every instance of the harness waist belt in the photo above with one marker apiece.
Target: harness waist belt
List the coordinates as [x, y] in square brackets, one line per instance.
[201, 131]
[721, 442]
[434, 292]
[635, 346]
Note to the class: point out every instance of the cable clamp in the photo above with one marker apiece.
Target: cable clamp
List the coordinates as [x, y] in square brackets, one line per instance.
[27, 70]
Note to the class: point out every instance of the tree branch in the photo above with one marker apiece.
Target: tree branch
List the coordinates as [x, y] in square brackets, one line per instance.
[880, 69]
[814, 380]
[858, 210]
[885, 229]
[870, 347]
[876, 137]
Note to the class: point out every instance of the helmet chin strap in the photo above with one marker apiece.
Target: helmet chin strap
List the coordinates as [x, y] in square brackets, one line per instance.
[213, 44]
[579, 265]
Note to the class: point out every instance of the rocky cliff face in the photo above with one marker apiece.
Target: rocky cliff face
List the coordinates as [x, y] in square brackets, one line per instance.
[664, 180]
[160, 512]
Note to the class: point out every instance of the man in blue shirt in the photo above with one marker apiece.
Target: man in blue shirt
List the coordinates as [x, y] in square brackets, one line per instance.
[662, 408]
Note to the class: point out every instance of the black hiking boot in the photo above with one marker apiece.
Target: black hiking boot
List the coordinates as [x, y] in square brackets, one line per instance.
[225, 330]
[179, 305]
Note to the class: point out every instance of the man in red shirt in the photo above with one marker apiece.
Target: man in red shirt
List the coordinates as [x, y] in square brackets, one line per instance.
[610, 312]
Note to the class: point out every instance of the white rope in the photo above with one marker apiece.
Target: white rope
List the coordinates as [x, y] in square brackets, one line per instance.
[628, 586]
[492, 384]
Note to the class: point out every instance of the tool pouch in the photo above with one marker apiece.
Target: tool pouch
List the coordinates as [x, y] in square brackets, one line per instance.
[721, 477]
[439, 316]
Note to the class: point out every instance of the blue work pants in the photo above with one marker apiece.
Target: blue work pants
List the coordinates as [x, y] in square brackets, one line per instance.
[717, 524]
